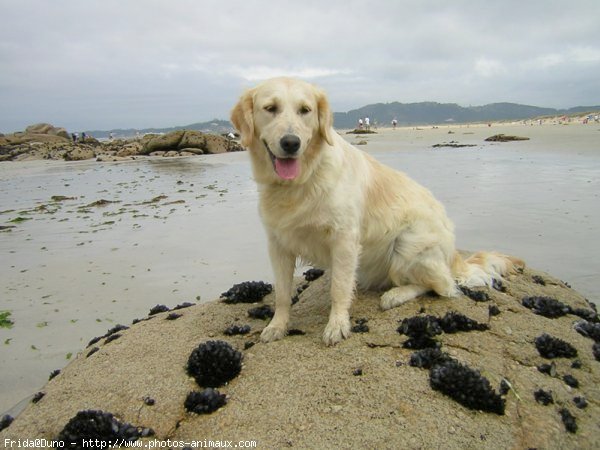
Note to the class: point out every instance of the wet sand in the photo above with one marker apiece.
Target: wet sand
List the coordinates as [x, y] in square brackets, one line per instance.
[76, 269]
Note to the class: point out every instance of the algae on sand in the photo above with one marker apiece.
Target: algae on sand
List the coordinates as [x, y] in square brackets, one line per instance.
[5, 321]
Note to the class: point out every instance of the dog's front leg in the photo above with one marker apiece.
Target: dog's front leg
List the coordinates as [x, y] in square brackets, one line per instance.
[283, 267]
[344, 262]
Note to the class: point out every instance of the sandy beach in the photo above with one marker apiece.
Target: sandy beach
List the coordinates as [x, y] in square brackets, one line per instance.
[88, 245]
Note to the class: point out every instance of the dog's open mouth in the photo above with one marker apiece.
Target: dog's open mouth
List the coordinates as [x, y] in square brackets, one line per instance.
[286, 168]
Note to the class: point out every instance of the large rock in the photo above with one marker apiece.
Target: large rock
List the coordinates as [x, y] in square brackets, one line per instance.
[43, 133]
[362, 393]
[191, 141]
[46, 128]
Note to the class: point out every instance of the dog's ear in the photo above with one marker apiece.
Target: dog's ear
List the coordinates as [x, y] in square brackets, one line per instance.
[325, 117]
[242, 117]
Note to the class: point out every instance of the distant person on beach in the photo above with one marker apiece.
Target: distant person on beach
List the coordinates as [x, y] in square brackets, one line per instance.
[394, 123]
[73, 137]
[360, 124]
[111, 136]
[83, 136]
[367, 124]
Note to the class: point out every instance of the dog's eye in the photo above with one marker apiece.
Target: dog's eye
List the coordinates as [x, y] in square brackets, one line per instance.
[271, 108]
[304, 110]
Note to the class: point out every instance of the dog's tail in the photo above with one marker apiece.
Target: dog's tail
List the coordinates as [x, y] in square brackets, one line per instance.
[482, 268]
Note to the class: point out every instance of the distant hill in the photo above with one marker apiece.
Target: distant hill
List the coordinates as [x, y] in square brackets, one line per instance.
[430, 113]
[424, 113]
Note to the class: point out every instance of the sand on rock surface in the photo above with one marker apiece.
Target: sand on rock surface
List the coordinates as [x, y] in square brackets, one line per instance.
[360, 393]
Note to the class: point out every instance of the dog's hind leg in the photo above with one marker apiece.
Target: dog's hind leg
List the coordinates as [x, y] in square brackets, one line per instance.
[424, 272]
[283, 266]
[401, 294]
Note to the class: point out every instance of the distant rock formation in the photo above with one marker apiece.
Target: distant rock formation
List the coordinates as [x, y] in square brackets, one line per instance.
[189, 141]
[45, 141]
[505, 138]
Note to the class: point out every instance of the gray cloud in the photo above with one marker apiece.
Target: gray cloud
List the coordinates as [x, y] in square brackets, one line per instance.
[105, 64]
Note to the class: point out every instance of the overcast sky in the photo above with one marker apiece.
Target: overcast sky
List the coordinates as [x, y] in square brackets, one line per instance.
[87, 64]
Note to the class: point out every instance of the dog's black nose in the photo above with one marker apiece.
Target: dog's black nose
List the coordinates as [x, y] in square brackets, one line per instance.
[290, 143]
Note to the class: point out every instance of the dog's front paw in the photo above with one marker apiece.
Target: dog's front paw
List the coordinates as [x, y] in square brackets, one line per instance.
[272, 333]
[336, 330]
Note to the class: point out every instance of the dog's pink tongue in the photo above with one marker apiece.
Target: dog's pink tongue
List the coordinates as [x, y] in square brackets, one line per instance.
[287, 168]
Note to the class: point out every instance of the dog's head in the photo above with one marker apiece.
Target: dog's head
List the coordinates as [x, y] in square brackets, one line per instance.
[284, 122]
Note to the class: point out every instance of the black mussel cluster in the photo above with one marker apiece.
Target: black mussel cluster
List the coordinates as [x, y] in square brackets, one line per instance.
[101, 426]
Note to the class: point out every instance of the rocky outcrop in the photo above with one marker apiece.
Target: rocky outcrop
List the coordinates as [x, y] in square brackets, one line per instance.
[46, 128]
[189, 141]
[44, 141]
[505, 138]
[515, 366]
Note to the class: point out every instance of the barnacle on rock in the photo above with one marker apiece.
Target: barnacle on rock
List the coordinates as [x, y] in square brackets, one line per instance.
[205, 402]
[420, 330]
[568, 420]
[453, 322]
[261, 312]
[571, 380]
[596, 350]
[543, 397]
[587, 329]
[421, 342]
[466, 386]
[183, 305]
[116, 329]
[112, 337]
[158, 309]
[548, 369]
[580, 402]
[361, 326]
[587, 314]
[493, 310]
[546, 306]
[538, 280]
[236, 329]
[100, 426]
[498, 285]
[313, 274]
[504, 386]
[551, 347]
[5, 421]
[420, 326]
[95, 340]
[214, 363]
[428, 357]
[478, 296]
[247, 292]
[173, 316]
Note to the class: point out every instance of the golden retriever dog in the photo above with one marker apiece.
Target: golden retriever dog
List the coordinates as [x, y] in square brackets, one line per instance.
[325, 201]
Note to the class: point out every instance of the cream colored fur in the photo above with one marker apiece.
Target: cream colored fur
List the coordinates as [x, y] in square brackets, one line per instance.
[369, 224]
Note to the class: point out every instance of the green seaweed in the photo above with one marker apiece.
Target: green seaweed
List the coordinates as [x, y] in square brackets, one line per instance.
[5, 321]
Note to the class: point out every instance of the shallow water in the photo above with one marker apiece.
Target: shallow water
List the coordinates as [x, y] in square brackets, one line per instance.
[74, 270]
